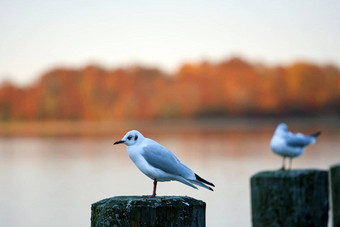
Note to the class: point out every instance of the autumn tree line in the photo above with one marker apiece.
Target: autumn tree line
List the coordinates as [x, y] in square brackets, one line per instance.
[232, 87]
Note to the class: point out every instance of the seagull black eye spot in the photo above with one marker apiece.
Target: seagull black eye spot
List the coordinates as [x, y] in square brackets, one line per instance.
[130, 137]
[136, 137]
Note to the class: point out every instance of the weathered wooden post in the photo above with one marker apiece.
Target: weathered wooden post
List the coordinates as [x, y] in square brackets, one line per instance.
[290, 198]
[157, 211]
[335, 189]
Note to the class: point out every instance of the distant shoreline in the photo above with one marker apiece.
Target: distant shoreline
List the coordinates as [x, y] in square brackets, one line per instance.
[110, 128]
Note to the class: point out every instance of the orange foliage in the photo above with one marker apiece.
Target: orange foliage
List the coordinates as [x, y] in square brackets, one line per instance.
[232, 87]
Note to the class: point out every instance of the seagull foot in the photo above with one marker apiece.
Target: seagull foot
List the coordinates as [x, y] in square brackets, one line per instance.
[148, 196]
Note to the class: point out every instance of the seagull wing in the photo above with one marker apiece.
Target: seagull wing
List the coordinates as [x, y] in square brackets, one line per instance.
[298, 140]
[162, 158]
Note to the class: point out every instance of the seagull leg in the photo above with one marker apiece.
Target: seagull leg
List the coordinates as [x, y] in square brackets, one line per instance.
[283, 163]
[154, 190]
[290, 163]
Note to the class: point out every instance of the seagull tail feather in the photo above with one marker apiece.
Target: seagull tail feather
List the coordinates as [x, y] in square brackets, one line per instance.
[316, 134]
[201, 182]
[186, 181]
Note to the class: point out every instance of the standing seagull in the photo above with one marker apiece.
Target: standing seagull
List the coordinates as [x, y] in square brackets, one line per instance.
[290, 145]
[159, 163]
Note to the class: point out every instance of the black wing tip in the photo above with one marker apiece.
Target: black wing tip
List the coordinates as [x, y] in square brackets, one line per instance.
[204, 181]
[316, 134]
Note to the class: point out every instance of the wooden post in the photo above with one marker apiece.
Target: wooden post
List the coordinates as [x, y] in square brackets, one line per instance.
[290, 198]
[139, 211]
[335, 192]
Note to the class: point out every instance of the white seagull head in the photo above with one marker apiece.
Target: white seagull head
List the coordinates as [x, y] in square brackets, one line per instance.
[281, 129]
[131, 138]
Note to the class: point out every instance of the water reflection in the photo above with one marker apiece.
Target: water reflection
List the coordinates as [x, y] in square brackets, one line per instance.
[53, 181]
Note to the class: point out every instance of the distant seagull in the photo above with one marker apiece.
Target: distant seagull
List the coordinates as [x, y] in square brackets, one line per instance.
[159, 163]
[290, 145]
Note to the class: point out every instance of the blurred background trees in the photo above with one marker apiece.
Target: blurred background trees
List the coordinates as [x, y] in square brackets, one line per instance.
[232, 87]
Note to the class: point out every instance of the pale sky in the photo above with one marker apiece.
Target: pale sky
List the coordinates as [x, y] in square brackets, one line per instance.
[37, 35]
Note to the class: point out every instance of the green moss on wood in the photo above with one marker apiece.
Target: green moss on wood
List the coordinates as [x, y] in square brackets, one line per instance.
[335, 188]
[290, 198]
[139, 211]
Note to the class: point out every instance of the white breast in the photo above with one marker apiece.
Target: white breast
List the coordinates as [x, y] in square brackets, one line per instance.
[135, 154]
[280, 147]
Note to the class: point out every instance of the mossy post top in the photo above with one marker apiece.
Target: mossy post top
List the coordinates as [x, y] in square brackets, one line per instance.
[157, 201]
[156, 211]
[288, 173]
[335, 166]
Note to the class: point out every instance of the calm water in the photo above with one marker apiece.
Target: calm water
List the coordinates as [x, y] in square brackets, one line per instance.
[53, 181]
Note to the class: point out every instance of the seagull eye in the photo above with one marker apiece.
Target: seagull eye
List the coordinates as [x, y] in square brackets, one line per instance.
[130, 137]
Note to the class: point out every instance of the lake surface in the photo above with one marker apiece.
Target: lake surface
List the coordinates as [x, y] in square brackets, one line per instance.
[52, 181]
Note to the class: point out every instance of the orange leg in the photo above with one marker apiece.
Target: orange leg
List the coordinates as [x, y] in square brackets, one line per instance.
[154, 190]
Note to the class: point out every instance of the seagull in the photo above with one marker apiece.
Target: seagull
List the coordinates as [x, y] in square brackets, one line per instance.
[159, 163]
[290, 145]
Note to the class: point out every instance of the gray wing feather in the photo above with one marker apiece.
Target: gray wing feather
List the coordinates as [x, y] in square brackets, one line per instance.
[162, 158]
[299, 140]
